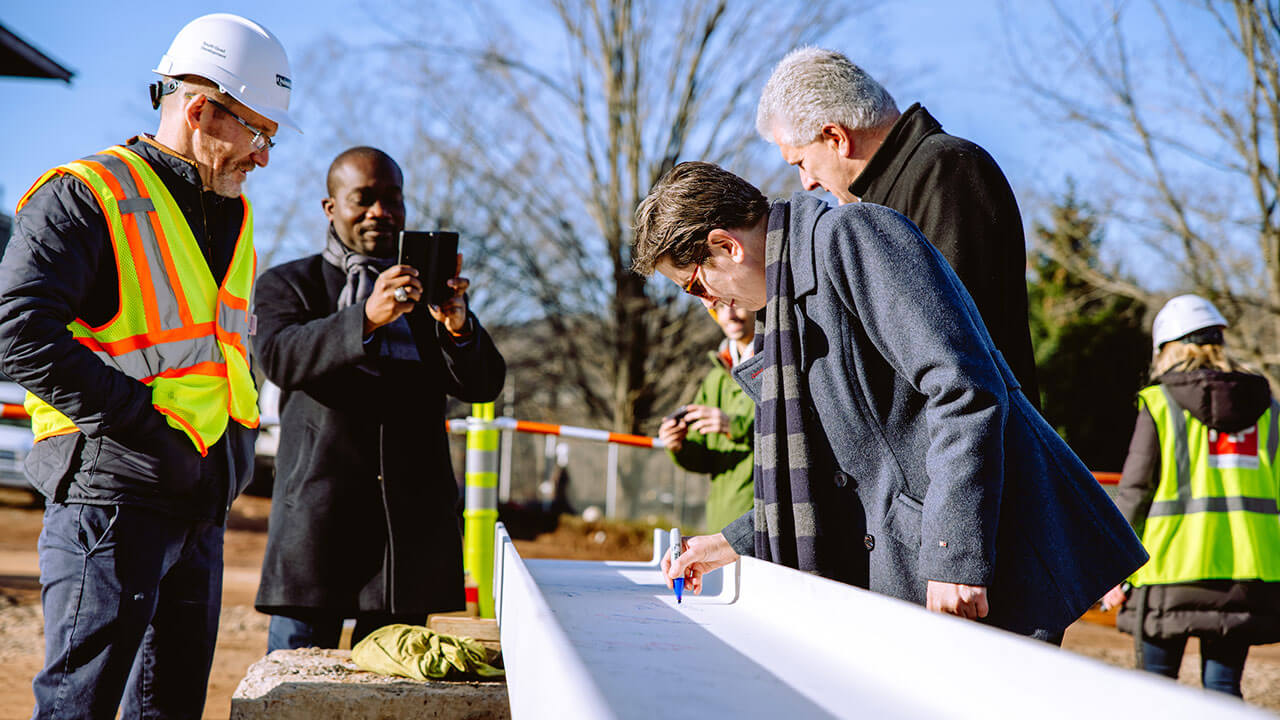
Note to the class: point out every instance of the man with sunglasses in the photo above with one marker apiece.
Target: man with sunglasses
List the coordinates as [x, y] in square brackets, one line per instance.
[124, 298]
[894, 449]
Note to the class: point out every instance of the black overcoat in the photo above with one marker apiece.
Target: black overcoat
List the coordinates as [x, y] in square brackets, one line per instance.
[363, 513]
[956, 194]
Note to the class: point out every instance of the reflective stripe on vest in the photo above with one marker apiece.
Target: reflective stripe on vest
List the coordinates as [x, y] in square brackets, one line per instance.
[1185, 503]
[175, 330]
[1214, 514]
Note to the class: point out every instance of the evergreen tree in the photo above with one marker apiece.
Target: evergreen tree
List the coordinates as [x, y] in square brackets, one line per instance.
[1092, 346]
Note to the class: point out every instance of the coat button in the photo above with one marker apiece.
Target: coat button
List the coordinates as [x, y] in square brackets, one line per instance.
[841, 479]
[869, 541]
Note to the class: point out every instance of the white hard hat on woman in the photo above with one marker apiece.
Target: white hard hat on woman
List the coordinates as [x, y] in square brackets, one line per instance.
[242, 57]
[1184, 315]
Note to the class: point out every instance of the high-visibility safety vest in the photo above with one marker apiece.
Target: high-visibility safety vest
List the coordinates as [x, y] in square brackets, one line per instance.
[176, 330]
[1214, 515]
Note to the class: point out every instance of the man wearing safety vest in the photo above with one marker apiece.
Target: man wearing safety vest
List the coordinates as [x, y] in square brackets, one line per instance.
[124, 311]
[1200, 486]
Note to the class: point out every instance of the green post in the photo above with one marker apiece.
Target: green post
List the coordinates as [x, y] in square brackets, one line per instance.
[481, 510]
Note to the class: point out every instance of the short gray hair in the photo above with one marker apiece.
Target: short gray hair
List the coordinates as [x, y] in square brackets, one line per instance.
[811, 87]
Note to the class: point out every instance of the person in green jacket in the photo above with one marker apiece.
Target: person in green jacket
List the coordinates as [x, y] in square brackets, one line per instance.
[714, 433]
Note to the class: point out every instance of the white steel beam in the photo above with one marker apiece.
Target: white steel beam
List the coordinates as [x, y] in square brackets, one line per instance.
[608, 640]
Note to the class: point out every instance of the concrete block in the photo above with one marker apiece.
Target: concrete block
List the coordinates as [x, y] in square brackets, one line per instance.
[314, 683]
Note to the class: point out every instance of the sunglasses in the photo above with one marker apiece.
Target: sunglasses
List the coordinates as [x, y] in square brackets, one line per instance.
[259, 139]
[695, 287]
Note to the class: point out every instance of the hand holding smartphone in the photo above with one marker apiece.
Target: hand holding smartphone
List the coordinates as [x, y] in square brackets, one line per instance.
[435, 256]
[679, 414]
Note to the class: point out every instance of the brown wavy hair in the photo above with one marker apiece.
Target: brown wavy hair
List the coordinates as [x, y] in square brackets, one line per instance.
[690, 201]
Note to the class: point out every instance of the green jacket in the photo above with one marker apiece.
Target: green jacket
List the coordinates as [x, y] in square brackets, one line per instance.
[727, 459]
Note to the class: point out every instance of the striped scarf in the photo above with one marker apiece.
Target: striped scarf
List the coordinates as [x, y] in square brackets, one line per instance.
[395, 340]
[787, 530]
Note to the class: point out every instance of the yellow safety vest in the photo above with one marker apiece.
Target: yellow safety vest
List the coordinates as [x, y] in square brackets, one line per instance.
[176, 330]
[1214, 515]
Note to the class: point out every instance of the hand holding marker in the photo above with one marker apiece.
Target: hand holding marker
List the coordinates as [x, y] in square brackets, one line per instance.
[678, 583]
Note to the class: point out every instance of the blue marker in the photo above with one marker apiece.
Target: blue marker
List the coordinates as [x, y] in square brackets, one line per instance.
[678, 583]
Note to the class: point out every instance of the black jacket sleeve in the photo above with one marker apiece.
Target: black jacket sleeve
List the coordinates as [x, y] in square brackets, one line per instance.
[965, 207]
[475, 368]
[1141, 472]
[297, 343]
[59, 242]
[968, 228]
[303, 343]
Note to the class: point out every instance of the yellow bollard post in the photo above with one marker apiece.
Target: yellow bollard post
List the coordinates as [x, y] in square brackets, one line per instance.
[480, 513]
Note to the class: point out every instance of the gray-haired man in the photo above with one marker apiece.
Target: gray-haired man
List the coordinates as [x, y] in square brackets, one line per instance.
[843, 132]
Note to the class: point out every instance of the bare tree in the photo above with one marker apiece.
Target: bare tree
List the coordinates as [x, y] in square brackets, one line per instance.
[552, 128]
[535, 135]
[1178, 105]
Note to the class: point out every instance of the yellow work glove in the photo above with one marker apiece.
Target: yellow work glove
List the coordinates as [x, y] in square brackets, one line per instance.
[415, 652]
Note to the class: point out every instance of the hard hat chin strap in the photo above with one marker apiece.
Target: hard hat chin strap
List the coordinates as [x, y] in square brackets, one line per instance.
[160, 88]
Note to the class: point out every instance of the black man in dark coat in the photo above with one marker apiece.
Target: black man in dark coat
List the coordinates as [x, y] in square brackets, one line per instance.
[363, 518]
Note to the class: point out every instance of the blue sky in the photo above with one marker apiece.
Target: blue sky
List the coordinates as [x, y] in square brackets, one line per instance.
[949, 55]
[113, 46]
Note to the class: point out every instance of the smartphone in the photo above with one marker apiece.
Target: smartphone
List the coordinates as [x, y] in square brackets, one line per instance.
[435, 256]
[679, 414]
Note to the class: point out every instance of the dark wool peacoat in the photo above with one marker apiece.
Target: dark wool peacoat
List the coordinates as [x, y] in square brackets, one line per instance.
[955, 193]
[942, 468]
[363, 514]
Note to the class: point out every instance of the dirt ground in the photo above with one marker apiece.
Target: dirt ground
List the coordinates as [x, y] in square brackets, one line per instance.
[242, 636]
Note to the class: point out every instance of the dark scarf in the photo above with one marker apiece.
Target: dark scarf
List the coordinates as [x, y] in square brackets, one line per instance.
[787, 527]
[394, 340]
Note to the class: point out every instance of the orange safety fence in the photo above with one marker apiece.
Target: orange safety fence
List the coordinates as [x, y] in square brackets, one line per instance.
[569, 431]
[13, 411]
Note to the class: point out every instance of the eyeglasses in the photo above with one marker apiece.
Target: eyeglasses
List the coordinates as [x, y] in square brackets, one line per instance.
[259, 140]
[695, 287]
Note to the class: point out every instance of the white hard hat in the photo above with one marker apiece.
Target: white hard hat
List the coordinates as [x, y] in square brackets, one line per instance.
[238, 54]
[1184, 314]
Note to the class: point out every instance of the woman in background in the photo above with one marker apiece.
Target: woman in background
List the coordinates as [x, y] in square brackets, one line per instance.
[1200, 488]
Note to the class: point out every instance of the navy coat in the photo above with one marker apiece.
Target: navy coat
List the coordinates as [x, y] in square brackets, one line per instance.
[940, 467]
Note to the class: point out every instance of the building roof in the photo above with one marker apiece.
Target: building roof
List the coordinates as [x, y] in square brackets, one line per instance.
[19, 59]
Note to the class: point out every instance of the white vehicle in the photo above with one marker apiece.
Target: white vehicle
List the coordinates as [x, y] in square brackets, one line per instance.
[264, 460]
[15, 437]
